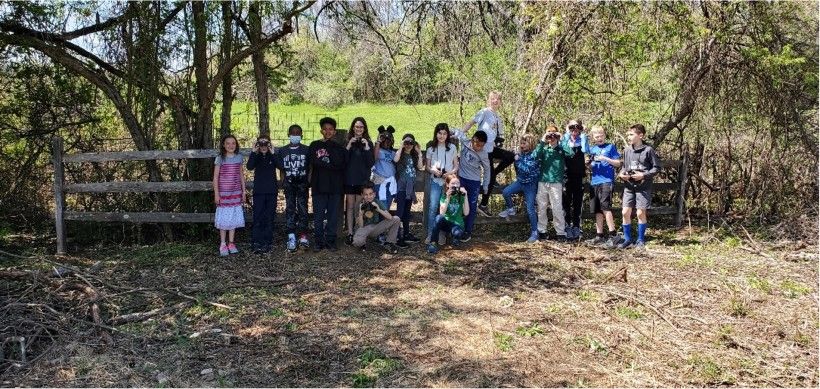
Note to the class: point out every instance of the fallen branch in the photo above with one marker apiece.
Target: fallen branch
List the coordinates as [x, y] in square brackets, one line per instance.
[645, 304]
[141, 316]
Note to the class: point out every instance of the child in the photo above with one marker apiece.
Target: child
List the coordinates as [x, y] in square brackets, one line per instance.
[604, 158]
[527, 170]
[328, 160]
[360, 159]
[408, 163]
[373, 220]
[453, 209]
[442, 158]
[576, 171]
[473, 173]
[640, 166]
[550, 154]
[263, 163]
[293, 161]
[384, 169]
[488, 121]
[229, 193]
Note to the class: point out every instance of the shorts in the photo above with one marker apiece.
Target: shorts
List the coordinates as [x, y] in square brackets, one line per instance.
[353, 189]
[600, 199]
[639, 198]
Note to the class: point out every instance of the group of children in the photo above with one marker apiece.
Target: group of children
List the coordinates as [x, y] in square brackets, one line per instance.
[372, 175]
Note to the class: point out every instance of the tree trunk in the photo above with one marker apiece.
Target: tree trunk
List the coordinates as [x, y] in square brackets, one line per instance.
[260, 74]
[227, 83]
[203, 137]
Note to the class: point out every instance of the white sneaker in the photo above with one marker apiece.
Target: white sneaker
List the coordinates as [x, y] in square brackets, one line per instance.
[507, 212]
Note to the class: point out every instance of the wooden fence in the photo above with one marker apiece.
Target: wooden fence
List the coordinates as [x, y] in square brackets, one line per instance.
[62, 189]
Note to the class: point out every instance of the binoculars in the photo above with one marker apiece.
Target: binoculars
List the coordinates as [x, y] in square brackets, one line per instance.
[262, 143]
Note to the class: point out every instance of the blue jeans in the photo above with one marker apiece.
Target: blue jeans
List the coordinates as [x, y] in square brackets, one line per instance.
[325, 208]
[530, 191]
[442, 224]
[473, 188]
[435, 196]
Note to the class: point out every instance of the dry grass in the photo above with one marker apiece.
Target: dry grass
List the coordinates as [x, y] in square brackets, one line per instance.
[693, 310]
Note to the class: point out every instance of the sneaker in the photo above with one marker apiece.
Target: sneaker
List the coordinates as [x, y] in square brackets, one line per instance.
[466, 237]
[349, 240]
[303, 241]
[391, 248]
[597, 240]
[507, 212]
[543, 236]
[456, 242]
[639, 245]
[483, 210]
[232, 248]
[432, 248]
[577, 233]
[291, 243]
[382, 240]
[223, 250]
[625, 245]
[410, 238]
[611, 242]
[568, 231]
[533, 238]
[401, 244]
[317, 246]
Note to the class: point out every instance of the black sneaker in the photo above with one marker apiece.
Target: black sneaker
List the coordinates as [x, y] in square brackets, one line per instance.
[390, 248]
[466, 237]
[611, 242]
[331, 245]
[543, 236]
[409, 238]
[318, 246]
[597, 240]
[349, 240]
[401, 244]
[483, 210]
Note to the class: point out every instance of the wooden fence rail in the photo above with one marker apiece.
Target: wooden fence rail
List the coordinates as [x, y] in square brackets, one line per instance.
[61, 189]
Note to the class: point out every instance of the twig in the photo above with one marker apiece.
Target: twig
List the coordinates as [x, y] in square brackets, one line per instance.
[647, 305]
[140, 316]
[194, 299]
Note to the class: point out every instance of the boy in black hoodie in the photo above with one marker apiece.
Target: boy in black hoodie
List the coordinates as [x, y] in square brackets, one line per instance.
[328, 160]
[640, 166]
[293, 160]
[262, 162]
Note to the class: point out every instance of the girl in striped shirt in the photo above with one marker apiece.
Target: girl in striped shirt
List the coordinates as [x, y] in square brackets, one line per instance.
[229, 193]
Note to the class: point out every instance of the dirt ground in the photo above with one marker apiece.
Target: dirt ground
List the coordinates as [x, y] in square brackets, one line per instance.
[696, 308]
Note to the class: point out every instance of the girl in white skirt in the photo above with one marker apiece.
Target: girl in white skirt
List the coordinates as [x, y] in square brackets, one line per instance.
[229, 193]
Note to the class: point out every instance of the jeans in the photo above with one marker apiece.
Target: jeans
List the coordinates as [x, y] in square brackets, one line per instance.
[325, 208]
[507, 158]
[443, 225]
[530, 191]
[403, 205]
[264, 213]
[435, 196]
[296, 207]
[387, 202]
[473, 188]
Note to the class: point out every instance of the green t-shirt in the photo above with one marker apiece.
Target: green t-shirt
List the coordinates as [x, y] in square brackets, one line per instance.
[455, 209]
[370, 215]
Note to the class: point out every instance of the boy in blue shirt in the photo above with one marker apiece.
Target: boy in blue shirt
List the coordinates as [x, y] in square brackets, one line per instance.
[603, 159]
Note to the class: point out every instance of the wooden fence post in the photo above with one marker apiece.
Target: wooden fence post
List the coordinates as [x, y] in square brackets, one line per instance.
[682, 180]
[59, 200]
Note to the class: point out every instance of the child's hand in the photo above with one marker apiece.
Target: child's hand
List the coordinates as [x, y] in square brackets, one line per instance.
[376, 204]
[418, 148]
[624, 176]
[638, 177]
[463, 191]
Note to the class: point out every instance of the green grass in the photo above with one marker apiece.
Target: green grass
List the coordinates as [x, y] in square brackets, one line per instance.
[793, 289]
[503, 341]
[529, 331]
[372, 364]
[418, 120]
[629, 312]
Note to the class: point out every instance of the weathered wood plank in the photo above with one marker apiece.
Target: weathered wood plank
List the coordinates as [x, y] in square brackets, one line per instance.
[59, 199]
[522, 218]
[145, 155]
[141, 186]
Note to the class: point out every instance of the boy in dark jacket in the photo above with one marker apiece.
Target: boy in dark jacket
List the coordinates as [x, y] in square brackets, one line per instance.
[576, 141]
[293, 160]
[262, 163]
[640, 166]
[328, 160]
